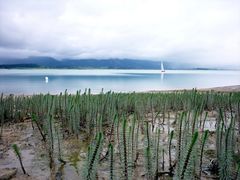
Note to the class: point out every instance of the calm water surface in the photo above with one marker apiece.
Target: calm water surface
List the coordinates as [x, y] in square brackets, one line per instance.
[32, 81]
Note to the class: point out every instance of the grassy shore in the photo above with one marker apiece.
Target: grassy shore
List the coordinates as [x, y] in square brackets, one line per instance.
[175, 134]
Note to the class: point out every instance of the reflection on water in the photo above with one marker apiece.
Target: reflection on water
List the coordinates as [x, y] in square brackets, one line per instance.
[162, 76]
[55, 81]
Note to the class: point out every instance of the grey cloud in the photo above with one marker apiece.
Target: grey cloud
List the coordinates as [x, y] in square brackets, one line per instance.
[193, 31]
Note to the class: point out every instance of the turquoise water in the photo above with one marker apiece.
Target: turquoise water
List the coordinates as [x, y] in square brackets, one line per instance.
[32, 81]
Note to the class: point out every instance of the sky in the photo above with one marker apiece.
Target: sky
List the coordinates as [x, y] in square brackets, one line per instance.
[201, 32]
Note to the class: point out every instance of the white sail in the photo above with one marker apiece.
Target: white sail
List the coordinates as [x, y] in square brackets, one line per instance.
[162, 67]
[46, 79]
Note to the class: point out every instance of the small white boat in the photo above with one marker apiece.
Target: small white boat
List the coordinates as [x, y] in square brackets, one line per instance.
[46, 79]
[162, 67]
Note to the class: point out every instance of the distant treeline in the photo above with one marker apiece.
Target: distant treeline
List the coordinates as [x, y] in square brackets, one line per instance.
[13, 66]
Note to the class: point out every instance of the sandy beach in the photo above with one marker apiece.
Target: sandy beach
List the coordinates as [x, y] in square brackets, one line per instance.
[235, 88]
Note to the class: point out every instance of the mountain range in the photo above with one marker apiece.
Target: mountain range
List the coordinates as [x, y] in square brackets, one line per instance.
[49, 62]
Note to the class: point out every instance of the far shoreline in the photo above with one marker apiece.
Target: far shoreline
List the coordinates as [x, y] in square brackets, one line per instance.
[222, 89]
[117, 68]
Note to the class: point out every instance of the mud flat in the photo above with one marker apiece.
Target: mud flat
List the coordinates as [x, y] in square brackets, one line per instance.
[235, 88]
[123, 135]
[36, 160]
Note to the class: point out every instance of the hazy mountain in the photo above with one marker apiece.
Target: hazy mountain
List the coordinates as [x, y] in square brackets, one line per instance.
[37, 60]
[49, 62]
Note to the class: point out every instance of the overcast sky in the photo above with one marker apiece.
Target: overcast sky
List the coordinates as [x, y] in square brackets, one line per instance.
[205, 32]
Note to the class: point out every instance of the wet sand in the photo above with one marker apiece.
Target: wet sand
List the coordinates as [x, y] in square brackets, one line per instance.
[235, 88]
[74, 151]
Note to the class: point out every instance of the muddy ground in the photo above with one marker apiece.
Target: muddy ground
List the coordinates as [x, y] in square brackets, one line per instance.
[36, 159]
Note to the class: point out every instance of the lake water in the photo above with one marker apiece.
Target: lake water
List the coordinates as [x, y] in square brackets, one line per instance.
[32, 81]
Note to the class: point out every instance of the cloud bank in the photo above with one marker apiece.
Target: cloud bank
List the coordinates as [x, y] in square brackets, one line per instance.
[203, 32]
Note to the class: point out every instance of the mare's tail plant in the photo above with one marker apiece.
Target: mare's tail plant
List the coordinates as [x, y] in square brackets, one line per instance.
[34, 119]
[93, 157]
[59, 146]
[179, 143]
[225, 145]
[227, 151]
[148, 154]
[204, 139]
[187, 159]
[111, 161]
[170, 155]
[124, 139]
[157, 154]
[18, 154]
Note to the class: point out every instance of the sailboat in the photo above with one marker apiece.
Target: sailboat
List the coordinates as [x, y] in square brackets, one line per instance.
[46, 79]
[162, 67]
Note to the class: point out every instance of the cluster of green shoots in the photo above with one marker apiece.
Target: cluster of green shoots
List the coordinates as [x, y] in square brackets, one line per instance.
[166, 133]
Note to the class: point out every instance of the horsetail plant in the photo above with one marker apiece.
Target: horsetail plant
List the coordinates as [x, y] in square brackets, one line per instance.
[18, 154]
[125, 159]
[131, 122]
[170, 154]
[148, 154]
[187, 159]
[111, 161]
[157, 155]
[93, 156]
[34, 119]
[204, 139]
